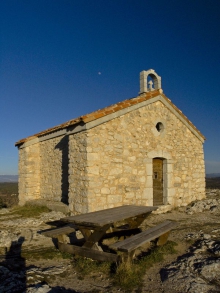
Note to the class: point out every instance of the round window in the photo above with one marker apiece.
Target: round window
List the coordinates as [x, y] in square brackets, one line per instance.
[160, 127]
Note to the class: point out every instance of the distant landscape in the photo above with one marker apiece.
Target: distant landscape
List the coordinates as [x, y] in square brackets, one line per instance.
[14, 178]
[213, 183]
[8, 178]
[212, 175]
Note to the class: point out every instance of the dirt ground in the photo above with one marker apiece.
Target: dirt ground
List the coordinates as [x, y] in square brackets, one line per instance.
[62, 277]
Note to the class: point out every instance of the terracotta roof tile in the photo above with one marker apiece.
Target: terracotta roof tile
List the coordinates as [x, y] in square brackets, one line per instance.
[106, 111]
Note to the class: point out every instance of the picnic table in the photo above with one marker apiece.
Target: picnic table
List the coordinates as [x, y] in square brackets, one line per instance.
[121, 223]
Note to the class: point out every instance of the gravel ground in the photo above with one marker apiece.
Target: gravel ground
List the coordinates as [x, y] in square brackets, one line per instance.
[194, 268]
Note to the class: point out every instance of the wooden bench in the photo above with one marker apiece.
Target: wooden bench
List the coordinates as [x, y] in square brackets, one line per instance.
[130, 244]
[59, 233]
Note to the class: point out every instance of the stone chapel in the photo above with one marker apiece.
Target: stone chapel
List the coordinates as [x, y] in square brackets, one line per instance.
[141, 151]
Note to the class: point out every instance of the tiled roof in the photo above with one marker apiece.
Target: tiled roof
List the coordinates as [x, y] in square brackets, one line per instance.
[106, 111]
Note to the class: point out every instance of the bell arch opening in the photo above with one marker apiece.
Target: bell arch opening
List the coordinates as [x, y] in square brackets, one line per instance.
[149, 81]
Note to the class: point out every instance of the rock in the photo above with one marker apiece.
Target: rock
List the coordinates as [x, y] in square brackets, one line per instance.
[50, 271]
[22, 280]
[210, 271]
[39, 288]
[215, 248]
[34, 222]
[6, 238]
[204, 205]
[4, 270]
[11, 281]
[198, 285]
[213, 209]
[206, 236]
[199, 271]
[4, 211]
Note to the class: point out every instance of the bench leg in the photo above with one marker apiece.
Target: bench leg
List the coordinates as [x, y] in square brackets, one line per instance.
[163, 239]
[126, 257]
[61, 238]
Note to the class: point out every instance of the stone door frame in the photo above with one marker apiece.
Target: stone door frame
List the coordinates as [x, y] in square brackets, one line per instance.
[158, 165]
[168, 189]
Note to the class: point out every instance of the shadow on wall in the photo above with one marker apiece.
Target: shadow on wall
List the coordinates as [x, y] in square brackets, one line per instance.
[63, 146]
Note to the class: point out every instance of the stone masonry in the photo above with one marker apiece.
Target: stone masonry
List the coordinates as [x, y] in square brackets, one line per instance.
[118, 154]
[104, 159]
[29, 173]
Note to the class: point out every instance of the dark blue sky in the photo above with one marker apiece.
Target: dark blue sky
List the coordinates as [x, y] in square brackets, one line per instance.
[52, 51]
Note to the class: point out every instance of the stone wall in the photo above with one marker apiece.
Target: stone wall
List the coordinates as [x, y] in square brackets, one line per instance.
[54, 169]
[118, 156]
[43, 171]
[29, 173]
[78, 179]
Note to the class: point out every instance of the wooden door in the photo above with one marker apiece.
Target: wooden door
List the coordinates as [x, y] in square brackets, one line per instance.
[157, 181]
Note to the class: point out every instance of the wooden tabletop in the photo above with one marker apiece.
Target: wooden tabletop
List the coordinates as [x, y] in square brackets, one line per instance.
[109, 216]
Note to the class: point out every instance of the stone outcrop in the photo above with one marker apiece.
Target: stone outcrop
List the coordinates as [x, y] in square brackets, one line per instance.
[13, 228]
[198, 271]
[209, 204]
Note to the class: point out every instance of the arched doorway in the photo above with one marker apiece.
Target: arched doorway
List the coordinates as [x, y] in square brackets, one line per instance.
[158, 179]
[167, 173]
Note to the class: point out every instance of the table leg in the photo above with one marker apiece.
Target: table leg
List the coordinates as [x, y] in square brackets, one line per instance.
[92, 238]
[137, 221]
